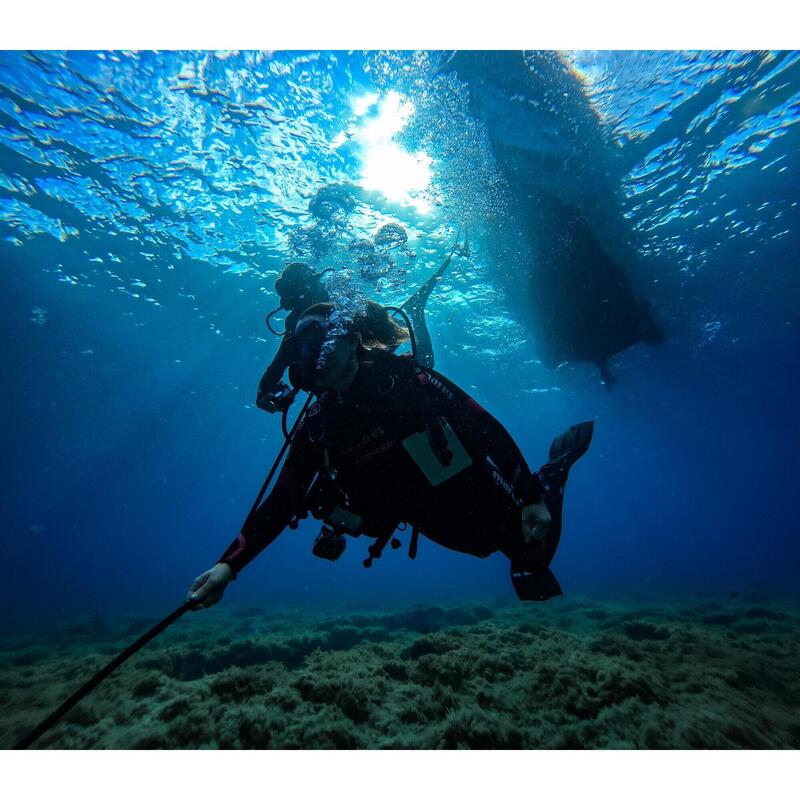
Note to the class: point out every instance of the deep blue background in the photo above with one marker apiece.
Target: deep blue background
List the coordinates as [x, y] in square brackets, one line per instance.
[126, 474]
[126, 471]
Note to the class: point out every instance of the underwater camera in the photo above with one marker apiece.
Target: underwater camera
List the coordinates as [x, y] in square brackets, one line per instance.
[329, 544]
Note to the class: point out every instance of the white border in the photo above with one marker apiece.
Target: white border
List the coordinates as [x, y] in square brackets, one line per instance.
[371, 24]
[86, 24]
[616, 775]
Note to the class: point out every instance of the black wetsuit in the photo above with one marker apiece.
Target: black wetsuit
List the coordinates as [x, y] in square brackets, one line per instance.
[353, 441]
[271, 379]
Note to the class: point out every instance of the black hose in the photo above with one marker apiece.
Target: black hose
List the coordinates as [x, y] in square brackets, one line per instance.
[284, 417]
[287, 434]
[411, 336]
[95, 680]
[268, 322]
[287, 441]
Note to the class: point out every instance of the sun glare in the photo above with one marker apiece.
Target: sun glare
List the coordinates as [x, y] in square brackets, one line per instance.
[386, 167]
[363, 103]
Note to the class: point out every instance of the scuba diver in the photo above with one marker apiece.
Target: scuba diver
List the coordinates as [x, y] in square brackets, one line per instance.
[389, 444]
[299, 287]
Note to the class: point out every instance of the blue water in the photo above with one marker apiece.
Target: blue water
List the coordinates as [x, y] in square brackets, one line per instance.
[148, 202]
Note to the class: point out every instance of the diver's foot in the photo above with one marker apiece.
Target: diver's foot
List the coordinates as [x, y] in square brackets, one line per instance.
[530, 572]
[532, 583]
[534, 553]
[565, 450]
[571, 445]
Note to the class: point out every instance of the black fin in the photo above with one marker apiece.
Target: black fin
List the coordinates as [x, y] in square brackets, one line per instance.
[564, 452]
[530, 563]
[534, 584]
[566, 449]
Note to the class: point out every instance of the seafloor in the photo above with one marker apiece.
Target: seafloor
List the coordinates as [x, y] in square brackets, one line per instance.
[712, 672]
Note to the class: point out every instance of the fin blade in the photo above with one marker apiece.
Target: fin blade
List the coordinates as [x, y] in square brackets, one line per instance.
[572, 444]
[536, 585]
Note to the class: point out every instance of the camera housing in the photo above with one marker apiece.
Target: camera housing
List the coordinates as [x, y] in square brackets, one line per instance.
[329, 544]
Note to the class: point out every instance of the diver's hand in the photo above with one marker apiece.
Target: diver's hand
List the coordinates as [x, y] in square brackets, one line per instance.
[266, 403]
[276, 400]
[535, 521]
[209, 587]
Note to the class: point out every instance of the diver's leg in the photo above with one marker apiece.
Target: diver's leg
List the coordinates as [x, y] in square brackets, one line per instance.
[420, 297]
[423, 339]
[565, 450]
[415, 308]
[530, 563]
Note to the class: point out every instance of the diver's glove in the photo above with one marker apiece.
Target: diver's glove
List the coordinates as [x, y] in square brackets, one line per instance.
[535, 522]
[208, 588]
[276, 400]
